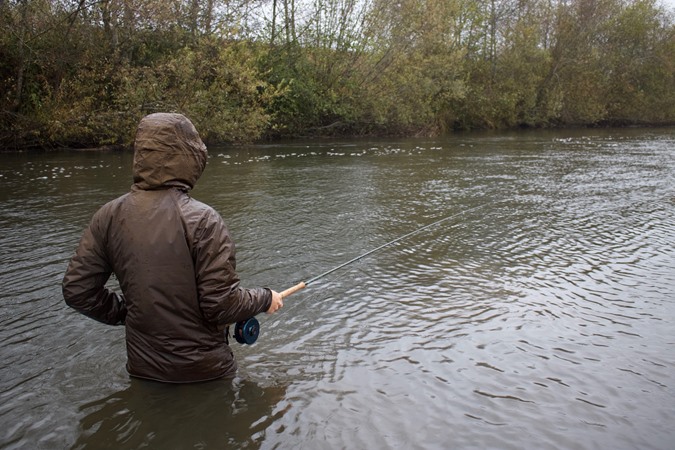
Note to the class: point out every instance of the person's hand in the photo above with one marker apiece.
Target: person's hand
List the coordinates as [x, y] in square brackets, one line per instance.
[277, 302]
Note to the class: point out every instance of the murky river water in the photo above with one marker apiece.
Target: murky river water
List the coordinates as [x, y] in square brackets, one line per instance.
[539, 315]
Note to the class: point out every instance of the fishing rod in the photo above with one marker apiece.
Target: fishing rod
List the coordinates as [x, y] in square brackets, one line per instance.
[303, 284]
[246, 331]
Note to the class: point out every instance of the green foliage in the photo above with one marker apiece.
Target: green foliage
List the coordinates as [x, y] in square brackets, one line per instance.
[228, 100]
[83, 74]
[298, 103]
[641, 72]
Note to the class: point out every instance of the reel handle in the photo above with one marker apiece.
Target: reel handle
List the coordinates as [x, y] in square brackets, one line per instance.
[293, 289]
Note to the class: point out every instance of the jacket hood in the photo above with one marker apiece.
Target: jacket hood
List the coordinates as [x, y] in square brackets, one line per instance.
[167, 151]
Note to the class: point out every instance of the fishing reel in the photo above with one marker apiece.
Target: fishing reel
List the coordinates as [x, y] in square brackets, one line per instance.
[247, 331]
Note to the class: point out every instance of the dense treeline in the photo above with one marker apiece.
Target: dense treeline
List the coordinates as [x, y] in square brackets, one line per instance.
[82, 73]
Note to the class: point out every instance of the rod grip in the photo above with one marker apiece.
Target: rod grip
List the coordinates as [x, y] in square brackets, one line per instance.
[293, 289]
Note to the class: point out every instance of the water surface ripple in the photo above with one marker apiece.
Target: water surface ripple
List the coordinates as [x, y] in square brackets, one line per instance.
[538, 315]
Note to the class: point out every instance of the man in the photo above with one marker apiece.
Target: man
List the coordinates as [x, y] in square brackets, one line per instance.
[174, 260]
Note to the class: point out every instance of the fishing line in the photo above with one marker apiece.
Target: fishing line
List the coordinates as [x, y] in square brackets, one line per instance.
[247, 331]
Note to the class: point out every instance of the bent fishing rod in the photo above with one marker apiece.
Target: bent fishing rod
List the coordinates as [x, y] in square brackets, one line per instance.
[247, 331]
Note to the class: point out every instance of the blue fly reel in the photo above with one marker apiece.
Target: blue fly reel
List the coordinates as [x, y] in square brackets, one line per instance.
[247, 331]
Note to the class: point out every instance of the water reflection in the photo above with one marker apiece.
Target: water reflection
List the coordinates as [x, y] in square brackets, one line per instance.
[221, 414]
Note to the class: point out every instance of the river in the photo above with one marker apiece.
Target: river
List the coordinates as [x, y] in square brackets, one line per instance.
[539, 314]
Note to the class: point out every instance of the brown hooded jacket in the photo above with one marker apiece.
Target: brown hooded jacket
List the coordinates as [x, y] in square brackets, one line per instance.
[174, 260]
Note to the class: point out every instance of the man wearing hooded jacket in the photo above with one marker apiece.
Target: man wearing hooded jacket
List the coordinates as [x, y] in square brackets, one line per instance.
[174, 260]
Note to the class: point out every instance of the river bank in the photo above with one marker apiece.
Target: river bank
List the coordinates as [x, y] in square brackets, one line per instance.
[128, 146]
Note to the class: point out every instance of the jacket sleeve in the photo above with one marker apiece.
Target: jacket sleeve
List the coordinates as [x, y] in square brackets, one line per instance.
[221, 298]
[87, 273]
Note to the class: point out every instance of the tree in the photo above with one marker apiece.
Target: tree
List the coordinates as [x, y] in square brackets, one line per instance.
[639, 65]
